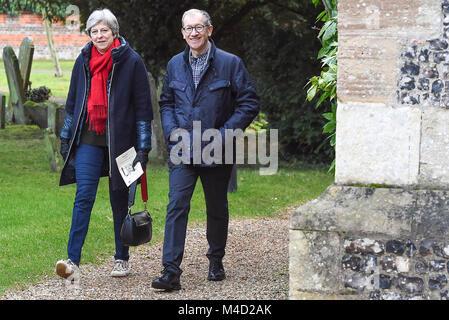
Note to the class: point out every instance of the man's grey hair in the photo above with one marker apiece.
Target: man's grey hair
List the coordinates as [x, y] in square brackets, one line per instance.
[105, 16]
[197, 11]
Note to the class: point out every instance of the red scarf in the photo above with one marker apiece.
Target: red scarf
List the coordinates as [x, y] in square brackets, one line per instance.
[97, 102]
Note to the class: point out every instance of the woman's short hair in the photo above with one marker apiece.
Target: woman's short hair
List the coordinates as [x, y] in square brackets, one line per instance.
[105, 16]
[200, 12]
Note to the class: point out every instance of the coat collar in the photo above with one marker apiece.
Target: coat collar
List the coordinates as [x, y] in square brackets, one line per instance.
[212, 49]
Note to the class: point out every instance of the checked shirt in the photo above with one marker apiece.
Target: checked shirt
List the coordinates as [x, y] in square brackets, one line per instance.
[198, 64]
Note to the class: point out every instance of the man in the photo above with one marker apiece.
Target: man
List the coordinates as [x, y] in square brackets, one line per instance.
[209, 86]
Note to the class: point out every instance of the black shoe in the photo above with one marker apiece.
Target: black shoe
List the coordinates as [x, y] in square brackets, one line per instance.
[216, 271]
[169, 281]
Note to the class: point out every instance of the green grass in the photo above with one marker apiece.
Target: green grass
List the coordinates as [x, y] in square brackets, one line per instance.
[58, 86]
[66, 65]
[35, 213]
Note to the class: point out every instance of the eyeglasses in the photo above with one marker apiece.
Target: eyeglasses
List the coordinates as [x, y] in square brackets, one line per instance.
[199, 28]
[101, 31]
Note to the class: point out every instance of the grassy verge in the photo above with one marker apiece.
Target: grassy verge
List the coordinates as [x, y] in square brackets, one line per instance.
[35, 213]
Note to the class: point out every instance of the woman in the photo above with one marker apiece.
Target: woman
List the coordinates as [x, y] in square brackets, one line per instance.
[108, 111]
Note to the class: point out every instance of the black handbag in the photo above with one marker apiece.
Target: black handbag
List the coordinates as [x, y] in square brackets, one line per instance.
[137, 228]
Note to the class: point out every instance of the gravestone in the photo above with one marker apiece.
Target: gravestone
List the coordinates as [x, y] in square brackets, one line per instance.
[52, 142]
[38, 113]
[15, 84]
[50, 41]
[381, 231]
[18, 75]
[26, 52]
[48, 115]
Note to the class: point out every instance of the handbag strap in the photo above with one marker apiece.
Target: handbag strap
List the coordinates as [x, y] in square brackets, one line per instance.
[144, 191]
[143, 187]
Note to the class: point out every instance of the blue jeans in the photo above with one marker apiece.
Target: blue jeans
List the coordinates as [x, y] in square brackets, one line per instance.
[182, 181]
[88, 166]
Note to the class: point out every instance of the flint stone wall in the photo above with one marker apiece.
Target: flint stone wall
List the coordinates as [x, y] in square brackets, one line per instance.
[371, 243]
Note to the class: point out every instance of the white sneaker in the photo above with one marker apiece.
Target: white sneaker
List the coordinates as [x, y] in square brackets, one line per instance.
[121, 268]
[68, 270]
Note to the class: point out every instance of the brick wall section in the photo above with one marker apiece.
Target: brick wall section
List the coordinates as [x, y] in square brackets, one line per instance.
[68, 40]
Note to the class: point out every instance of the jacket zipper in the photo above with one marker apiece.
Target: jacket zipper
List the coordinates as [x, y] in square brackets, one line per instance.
[109, 124]
[79, 117]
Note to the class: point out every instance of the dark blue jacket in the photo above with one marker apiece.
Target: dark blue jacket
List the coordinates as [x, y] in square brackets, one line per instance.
[225, 97]
[129, 109]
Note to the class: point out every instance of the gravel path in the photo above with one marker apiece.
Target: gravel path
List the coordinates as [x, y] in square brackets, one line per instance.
[256, 264]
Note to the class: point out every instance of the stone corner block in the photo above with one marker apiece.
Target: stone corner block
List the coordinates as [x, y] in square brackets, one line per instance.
[377, 144]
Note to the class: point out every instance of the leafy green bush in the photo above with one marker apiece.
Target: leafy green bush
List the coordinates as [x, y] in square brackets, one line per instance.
[326, 83]
[40, 94]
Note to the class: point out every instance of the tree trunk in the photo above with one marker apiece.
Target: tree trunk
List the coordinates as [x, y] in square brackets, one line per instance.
[161, 149]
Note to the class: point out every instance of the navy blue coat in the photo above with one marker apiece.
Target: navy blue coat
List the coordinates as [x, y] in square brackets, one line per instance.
[129, 109]
[225, 97]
